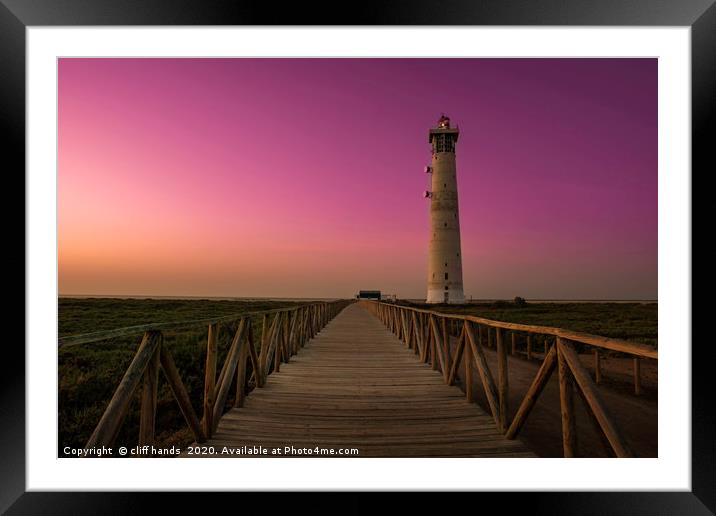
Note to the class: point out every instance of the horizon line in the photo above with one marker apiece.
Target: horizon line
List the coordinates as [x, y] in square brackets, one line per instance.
[200, 297]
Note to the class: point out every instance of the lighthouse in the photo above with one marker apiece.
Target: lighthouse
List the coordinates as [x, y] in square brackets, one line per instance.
[444, 256]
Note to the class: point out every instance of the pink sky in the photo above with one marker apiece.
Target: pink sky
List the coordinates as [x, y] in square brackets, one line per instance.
[304, 177]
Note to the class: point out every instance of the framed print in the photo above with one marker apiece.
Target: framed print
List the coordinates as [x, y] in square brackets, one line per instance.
[347, 253]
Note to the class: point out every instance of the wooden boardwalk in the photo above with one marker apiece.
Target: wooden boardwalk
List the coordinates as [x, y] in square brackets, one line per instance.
[356, 386]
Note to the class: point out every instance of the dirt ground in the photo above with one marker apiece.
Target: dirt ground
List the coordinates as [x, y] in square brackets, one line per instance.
[634, 416]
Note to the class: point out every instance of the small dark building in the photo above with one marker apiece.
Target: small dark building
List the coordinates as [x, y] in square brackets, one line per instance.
[369, 294]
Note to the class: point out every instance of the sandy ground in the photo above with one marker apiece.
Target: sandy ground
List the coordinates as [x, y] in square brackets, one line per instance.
[634, 416]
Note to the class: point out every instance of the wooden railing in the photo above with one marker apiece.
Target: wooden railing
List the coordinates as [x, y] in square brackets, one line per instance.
[284, 332]
[428, 333]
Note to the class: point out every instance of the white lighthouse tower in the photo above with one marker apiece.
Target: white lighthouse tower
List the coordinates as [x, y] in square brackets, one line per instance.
[444, 257]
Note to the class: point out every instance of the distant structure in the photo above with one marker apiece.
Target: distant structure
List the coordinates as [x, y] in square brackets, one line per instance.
[369, 294]
[444, 260]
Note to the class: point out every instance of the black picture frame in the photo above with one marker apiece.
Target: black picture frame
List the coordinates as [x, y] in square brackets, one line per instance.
[700, 15]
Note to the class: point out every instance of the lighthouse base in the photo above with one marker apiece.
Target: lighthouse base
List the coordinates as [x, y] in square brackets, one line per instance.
[451, 296]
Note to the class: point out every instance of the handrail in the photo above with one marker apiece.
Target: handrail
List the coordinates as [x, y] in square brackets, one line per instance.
[427, 334]
[290, 329]
[86, 338]
[624, 346]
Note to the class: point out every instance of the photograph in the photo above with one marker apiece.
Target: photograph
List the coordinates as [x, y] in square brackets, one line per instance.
[358, 257]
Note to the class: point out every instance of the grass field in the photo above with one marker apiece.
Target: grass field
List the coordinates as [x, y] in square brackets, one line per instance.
[629, 321]
[89, 373]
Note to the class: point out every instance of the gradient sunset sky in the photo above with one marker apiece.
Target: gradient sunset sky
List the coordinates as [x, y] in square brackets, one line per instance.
[304, 177]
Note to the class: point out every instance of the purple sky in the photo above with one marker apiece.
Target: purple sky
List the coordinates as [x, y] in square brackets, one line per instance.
[304, 177]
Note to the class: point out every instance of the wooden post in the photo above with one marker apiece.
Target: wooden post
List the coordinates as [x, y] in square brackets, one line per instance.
[285, 350]
[637, 376]
[210, 379]
[255, 361]
[468, 373]
[597, 367]
[222, 374]
[221, 390]
[514, 343]
[295, 329]
[304, 326]
[483, 370]
[566, 397]
[435, 345]
[267, 347]
[148, 409]
[180, 394]
[502, 383]
[594, 399]
[456, 358]
[279, 341]
[446, 344]
[416, 335]
[241, 375]
[529, 347]
[425, 338]
[262, 347]
[439, 347]
[409, 326]
[106, 431]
